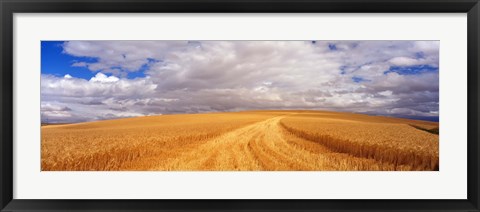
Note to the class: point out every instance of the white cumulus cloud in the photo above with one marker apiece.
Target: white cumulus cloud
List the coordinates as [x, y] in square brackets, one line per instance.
[103, 78]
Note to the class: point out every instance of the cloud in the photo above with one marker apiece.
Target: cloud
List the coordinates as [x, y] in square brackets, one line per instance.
[50, 107]
[129, 56]
[207, 76]
[54, 113]
[80, 64]
[98, 86]
[102, 78]
[406, 61]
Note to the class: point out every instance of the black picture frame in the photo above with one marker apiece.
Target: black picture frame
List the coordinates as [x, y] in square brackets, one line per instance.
[9, 7]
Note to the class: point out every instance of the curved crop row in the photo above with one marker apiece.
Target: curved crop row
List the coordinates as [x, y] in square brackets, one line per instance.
[133, 144]
[420, 157]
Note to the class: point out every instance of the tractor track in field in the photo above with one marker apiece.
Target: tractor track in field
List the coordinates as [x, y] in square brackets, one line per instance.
[259, 146]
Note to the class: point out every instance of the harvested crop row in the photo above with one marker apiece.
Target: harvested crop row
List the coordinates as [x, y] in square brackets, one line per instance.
[264, 146]
[134, 143]
[398, 144]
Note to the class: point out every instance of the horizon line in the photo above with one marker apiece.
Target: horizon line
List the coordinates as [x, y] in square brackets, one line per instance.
[410, 117]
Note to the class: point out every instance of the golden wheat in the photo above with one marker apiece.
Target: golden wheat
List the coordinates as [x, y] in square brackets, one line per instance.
[393, 141]
[133, 143]
[252, 140]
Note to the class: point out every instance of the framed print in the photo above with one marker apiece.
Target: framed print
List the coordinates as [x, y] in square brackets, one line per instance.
[265, 105]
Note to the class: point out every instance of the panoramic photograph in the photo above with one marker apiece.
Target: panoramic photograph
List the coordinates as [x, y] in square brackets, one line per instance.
[309, 105]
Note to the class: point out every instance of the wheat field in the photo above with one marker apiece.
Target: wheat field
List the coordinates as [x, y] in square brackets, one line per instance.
[243, 141]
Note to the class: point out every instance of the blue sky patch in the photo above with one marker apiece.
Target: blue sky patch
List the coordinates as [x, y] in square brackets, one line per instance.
[57, 63]
[332, 46]
[141, 71]
[411, 70]
[358, 79]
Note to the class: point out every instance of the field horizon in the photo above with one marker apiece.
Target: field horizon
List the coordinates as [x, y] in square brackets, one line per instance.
[253, 140]
[214, 112]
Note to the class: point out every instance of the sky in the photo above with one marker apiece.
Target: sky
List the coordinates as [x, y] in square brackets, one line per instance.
[98, 80]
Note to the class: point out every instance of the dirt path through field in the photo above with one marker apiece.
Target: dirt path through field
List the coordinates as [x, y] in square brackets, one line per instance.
[260, 146]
